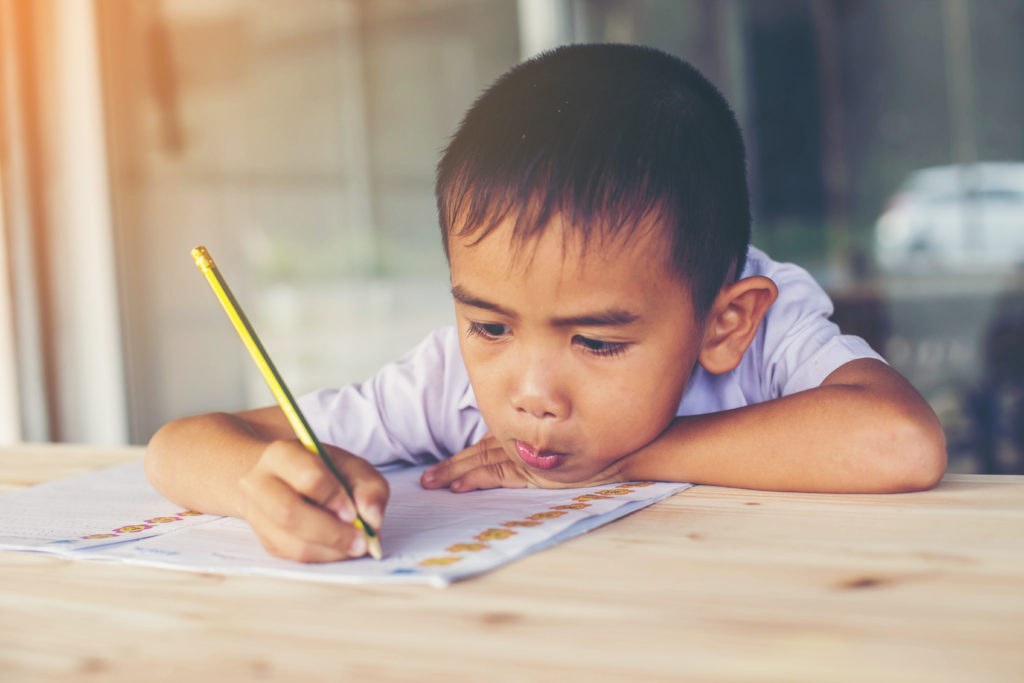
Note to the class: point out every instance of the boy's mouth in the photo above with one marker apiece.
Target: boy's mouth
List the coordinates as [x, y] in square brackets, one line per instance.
[542, 460]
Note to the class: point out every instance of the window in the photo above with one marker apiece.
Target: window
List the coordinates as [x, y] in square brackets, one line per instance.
[298, 142]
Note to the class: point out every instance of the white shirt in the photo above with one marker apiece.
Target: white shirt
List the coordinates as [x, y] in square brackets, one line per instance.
[421, 407]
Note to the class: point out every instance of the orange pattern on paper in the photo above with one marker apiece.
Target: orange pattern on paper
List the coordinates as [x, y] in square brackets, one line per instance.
[148, 524]
[550, 514]
[467, 547]
[432, 561]
[536, 519]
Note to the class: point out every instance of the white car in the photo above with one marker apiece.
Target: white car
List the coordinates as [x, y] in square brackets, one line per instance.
[954, 218]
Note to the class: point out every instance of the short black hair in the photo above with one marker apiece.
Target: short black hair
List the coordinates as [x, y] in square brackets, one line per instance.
[609, 135]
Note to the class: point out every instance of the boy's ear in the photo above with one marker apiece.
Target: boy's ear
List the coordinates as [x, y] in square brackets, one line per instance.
[733, 321]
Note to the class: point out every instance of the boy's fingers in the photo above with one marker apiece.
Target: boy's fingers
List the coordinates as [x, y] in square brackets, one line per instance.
[445, 472]
[498, 475]
[483, 465]
[281, 544]
[279, 512]
[302, 470]
[305, 473]
[369, 488]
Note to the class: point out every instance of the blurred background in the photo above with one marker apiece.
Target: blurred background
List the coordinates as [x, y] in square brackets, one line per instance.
[297, 141]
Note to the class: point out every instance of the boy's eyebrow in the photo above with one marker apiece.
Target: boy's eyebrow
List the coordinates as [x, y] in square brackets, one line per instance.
[467, 299]
[607, 317]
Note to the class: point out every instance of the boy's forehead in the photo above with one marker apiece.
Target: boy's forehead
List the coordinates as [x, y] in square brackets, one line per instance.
[579, 245]
[557, 274]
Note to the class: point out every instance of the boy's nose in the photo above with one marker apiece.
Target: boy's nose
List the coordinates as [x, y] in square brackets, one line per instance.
[537, 394]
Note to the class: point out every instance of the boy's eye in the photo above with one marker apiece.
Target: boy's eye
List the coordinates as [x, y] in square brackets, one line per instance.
[600, 348]
[488, 330]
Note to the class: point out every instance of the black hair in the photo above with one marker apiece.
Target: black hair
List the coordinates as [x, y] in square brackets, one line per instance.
[611, 136]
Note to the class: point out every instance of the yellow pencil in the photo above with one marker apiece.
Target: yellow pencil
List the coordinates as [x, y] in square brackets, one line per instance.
[281, 393]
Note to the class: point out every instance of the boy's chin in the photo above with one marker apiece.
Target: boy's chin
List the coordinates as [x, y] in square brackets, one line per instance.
[564, 469]
[573, 476]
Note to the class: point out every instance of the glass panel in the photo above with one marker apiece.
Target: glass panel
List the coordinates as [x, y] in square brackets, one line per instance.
[886, 155]
[298, 142]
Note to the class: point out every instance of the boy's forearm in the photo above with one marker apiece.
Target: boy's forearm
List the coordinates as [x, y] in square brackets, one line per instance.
[864, 430]
[198, 461]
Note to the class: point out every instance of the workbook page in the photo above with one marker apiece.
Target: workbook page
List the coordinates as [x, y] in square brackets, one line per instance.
[95, 509]
[428, 536]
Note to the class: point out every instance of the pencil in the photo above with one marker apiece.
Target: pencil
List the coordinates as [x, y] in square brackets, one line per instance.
[284, 397]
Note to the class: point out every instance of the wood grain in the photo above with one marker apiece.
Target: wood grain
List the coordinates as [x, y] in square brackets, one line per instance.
[713, 584]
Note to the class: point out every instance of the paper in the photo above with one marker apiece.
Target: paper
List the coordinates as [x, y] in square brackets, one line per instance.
[433, 537]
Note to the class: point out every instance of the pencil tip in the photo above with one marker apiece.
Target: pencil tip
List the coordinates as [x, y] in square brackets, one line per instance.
[373, 546]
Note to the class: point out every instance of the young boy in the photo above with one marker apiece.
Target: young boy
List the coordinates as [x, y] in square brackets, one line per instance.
[613, 324]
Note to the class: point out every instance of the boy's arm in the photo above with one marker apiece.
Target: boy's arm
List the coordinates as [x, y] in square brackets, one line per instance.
[864, 430]
[250, 465]
[198, 461]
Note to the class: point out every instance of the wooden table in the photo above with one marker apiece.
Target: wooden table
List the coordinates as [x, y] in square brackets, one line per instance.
[713, 584]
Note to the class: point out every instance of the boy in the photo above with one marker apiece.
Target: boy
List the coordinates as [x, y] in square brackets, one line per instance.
[613, 324]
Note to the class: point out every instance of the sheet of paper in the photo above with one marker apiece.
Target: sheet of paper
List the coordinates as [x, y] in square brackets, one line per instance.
[432, 537]
[91, 510]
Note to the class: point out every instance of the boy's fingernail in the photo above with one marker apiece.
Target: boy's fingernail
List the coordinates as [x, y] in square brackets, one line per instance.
[346, 513]
[428, 477]
[357, 548]
[456, 485]
[373, 516]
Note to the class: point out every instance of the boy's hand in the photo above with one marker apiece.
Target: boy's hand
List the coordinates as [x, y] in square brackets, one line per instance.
[486, 465]
[300, 511]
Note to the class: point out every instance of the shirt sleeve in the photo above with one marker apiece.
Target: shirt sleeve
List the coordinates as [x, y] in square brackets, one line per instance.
[801, 346]
[416, 409]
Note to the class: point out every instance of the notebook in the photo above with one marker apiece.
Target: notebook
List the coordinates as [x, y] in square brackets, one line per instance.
[432, 537]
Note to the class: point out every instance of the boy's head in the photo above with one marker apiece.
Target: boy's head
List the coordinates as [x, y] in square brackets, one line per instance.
[609, 136]
[594, 212]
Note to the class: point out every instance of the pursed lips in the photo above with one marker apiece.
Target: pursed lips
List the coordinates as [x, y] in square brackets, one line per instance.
[543, 459]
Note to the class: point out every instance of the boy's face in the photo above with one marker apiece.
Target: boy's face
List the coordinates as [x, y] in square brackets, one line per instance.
[577, 358]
